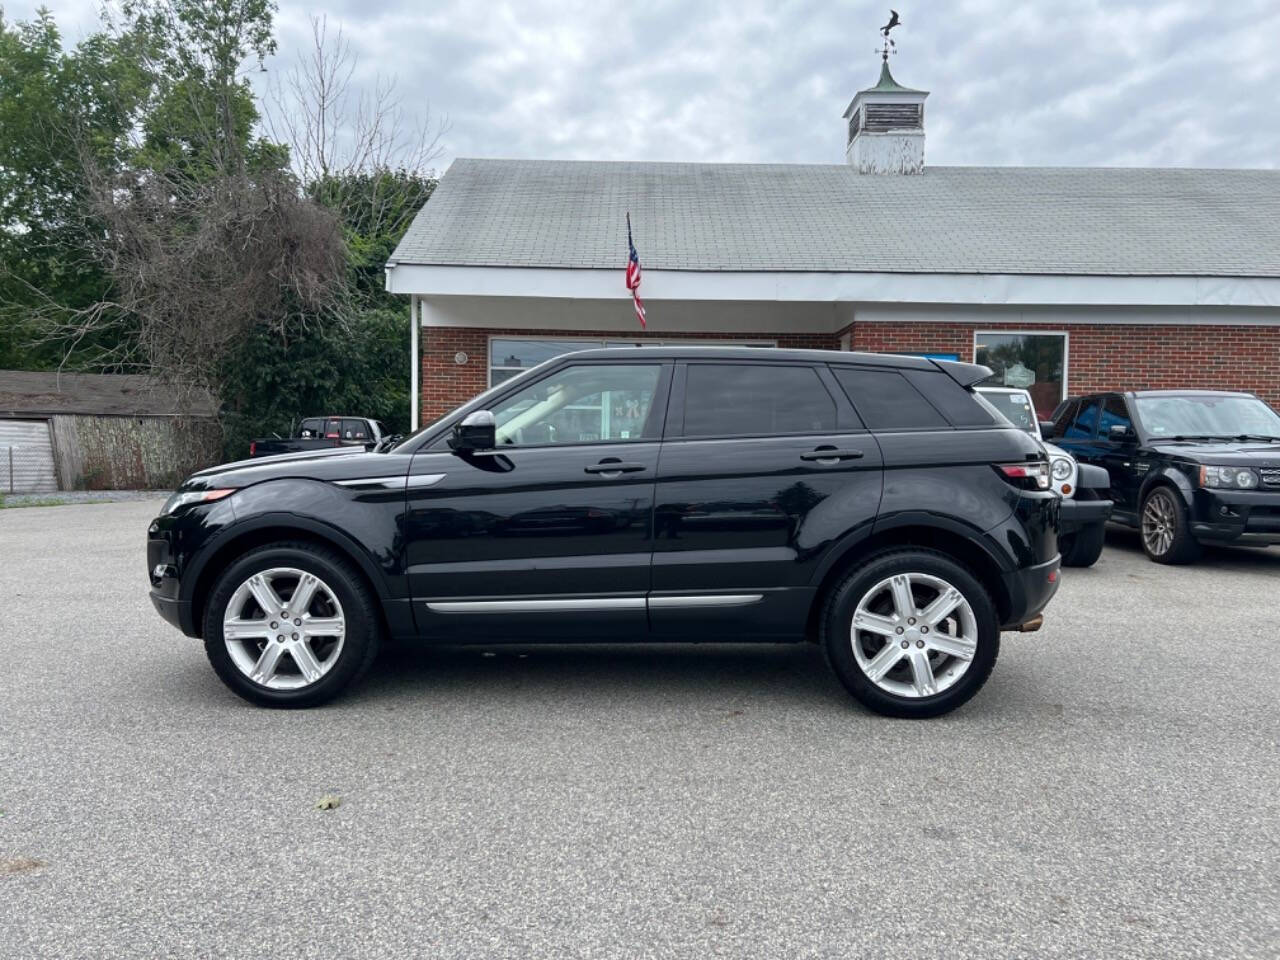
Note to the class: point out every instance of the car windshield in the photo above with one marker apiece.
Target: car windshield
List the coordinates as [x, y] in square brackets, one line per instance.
[1208, 415]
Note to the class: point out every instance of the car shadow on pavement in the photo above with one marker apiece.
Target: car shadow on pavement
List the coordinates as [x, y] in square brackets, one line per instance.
[1228, 558]
[710, 673]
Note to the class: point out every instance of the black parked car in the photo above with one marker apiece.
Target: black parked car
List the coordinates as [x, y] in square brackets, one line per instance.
[871, 503]
[1187, 467]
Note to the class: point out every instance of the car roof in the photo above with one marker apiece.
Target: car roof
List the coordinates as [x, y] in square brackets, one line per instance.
[1160, 393]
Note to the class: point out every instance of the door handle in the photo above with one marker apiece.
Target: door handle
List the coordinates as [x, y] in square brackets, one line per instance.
[614, 468]
[830, 455]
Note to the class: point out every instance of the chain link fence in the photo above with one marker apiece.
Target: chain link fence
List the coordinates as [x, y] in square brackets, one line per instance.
[26, 468]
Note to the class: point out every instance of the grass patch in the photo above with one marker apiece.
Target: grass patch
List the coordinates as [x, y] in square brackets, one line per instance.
[40, 502]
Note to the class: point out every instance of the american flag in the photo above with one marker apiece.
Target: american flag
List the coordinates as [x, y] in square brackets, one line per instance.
[633, 274]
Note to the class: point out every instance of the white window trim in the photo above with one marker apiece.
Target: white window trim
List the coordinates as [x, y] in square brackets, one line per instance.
[600, 342]
[1066, 349]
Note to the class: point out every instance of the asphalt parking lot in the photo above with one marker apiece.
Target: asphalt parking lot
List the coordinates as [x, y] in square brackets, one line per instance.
[1114, 791]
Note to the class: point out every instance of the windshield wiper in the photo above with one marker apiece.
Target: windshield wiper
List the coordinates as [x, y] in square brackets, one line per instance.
[1256, 436]
[1196, 436]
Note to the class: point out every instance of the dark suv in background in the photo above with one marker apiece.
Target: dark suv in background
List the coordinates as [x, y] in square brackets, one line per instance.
[1187, 467]
[870, 503]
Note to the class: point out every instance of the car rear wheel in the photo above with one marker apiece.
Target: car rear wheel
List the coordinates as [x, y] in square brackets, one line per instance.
[911, 633]
[1166, 533]
[290, 625]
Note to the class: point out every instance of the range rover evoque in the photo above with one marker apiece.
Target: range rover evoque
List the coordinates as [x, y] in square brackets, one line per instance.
[873, 504]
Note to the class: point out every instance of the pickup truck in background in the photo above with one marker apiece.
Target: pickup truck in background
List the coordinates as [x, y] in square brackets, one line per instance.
[319, 433]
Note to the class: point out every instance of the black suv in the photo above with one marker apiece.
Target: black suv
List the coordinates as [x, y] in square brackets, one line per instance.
[871, 503]
[1187, 467]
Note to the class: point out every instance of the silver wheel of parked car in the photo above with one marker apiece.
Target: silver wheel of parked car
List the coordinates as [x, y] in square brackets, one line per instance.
[284, 628]
[1159, 523]
[914, 635]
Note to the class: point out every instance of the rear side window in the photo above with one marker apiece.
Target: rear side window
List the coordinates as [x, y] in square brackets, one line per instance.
[950, 399]
[885, 400]
[726, 400]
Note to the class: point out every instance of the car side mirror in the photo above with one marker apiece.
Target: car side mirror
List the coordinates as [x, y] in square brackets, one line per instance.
[476, 431]
[1046, 428]
[1121, 433]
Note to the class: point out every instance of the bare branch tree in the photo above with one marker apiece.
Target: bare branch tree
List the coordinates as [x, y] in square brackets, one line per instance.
[338, 133]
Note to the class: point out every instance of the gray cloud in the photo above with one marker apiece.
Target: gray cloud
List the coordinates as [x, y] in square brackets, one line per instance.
[1081, 82]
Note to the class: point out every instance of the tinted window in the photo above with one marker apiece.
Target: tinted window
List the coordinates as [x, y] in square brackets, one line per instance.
[1085, 422]
[311, 428]
[1063, 417]
[1114, 414]
[333, 429]
[949, 398]
[725, 400]
[580, 404]
[354, 430]
[885, 400]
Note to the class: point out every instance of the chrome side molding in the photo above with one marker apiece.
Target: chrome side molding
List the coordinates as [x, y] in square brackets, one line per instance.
[571, 604]
[392, 483]
[536, 606]
[705, 600]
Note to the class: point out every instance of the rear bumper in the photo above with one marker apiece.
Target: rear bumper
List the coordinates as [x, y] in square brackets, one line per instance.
[1030, 590]
[175, 612]
[1075, 515]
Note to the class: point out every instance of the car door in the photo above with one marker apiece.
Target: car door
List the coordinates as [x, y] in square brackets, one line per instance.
[548, 535]
[1121, 456]
[763, 465]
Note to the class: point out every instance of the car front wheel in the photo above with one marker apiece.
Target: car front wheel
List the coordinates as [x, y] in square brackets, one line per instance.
[911, 633]
[1166, 533]
[290, 625]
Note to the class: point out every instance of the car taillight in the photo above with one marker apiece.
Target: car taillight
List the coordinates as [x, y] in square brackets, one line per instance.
[1032, 475]
[253, 448]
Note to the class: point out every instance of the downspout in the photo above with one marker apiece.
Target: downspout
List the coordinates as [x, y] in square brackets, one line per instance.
[415, 367]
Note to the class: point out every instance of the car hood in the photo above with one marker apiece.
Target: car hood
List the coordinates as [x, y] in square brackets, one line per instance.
[330, 464]
[1240, 453]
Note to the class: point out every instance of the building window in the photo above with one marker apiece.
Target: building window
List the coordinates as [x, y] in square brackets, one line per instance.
[509, 356]
[1036, 362]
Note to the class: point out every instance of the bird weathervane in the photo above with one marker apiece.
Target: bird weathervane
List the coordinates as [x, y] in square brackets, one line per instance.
[889, 46]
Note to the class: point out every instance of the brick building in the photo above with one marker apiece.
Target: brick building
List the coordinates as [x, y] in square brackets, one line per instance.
[1060, 279]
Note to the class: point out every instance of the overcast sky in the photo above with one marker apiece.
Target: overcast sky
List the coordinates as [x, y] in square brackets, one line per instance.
[1012, 82]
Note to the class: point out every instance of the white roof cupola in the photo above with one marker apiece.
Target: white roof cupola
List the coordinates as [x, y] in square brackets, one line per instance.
[885, 123]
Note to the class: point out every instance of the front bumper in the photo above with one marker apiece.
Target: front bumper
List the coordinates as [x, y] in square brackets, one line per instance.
[1075, 515]
[1236, 516]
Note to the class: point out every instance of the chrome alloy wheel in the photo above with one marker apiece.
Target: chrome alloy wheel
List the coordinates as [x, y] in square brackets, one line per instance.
[1158, 519]
[914, 635]
[284, 628]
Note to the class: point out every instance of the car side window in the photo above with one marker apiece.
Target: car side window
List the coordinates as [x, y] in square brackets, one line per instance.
[1063, 417]
[1085, 423]
[583, 403]
[1114, 414]
[885, 400]
[727, 400]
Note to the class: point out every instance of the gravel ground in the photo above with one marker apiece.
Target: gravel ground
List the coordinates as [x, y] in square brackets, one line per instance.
[1114, 791]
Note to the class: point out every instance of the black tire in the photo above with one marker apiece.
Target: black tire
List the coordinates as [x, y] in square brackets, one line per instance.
[1084, 547]
[1182, 546]
[363, 625]
[837, 640]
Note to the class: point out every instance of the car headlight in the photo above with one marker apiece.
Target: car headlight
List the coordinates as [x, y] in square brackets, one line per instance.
[1061, 468]
[183, 497]
[1238, 478]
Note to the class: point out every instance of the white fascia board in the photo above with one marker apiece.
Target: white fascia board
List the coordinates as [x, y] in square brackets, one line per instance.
[948, 288]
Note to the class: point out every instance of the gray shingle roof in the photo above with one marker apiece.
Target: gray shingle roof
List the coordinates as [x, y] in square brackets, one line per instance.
[829, 218]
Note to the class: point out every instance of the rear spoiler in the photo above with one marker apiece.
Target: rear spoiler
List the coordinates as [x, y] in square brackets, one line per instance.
[965, 374]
